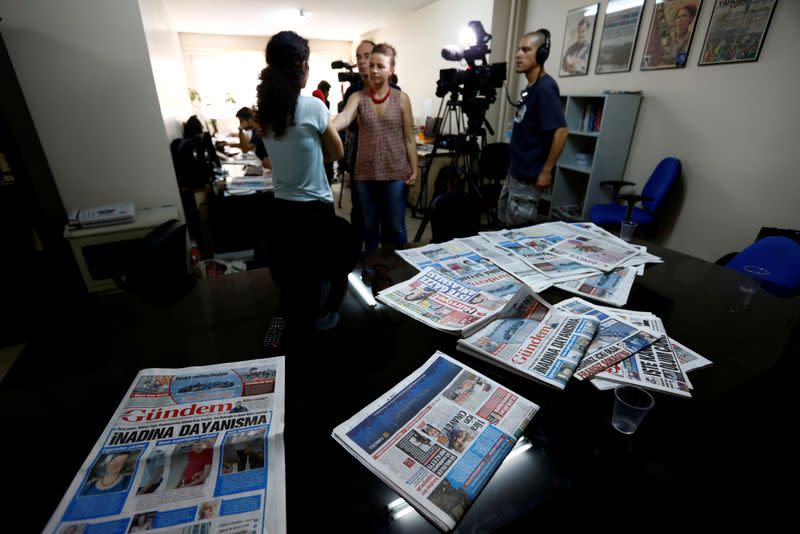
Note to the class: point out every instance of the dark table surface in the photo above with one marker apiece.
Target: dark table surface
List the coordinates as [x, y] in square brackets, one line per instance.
[719, 457]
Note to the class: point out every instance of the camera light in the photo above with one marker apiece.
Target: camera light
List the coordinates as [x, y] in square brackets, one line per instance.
[467, 37]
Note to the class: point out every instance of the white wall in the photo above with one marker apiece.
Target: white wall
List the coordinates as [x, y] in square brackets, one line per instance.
[419, 38]
[166, 60]
[248, 53]
[732, 126]
[85, 72]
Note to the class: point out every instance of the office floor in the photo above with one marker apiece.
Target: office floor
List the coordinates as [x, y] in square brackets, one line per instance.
[9, 354]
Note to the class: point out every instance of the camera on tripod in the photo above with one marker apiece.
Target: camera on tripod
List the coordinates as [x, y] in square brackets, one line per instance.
[479, 79]
[348, 76]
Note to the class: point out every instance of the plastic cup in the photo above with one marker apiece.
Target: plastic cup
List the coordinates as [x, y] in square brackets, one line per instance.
[755, 276]
[631, 404]
[626, 230]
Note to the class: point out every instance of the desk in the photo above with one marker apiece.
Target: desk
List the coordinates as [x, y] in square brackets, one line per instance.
[713, 459]
[238, 221]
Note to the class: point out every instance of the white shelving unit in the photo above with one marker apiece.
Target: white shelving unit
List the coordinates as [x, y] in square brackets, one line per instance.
[576, 183]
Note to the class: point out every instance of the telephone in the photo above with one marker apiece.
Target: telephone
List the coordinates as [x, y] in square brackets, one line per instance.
[124, 212]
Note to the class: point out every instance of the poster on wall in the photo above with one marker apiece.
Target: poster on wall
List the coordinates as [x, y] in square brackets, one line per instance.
[737, 31]
[620, 28]
[670, 35]
[578, 36]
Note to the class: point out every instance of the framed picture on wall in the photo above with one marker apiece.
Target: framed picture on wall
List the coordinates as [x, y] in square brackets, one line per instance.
[578, 36]
[620, 28]
[670, 34]
[736, 31]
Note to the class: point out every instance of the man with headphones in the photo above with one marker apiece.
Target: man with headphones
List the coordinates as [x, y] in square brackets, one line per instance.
[538, 135]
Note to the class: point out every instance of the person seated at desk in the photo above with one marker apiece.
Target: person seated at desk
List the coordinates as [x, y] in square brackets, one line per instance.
[310, 250]
[247, 122]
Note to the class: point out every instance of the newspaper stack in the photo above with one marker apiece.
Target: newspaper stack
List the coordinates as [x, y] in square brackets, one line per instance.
[616, 339]
[199, 449]
[663, 366]
[442, 302]
[580, 258]
[534, 341]
[437, 437]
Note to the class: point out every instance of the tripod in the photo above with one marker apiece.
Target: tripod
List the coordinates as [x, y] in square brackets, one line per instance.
[466, 144]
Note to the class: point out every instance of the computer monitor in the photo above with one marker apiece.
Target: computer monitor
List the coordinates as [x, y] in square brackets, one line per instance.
[432, 126]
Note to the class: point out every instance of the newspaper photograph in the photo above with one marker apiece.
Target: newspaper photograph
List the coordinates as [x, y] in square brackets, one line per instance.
[616, 338]
[437, 437]
[546, 349]
[192, 450]
[456, 260]
[442, 302]
[654, 367]
[611, 288]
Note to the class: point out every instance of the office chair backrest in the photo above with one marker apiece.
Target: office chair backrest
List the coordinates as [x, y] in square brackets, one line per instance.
[155, 269]
[779, 255]
[660, 182]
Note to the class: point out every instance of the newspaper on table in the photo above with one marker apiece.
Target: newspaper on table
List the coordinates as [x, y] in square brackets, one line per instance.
[534, 341]
[611, 288]
[442, 302]
[552, 268]
[458, 261]
[437, 437]
[616, 338]
[654, 367]
[688, 360]
[594, 252]
[508, 261]
[198, 449]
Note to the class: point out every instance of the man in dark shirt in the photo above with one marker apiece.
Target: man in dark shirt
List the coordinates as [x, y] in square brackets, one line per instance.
[247, 121]
[537, 139]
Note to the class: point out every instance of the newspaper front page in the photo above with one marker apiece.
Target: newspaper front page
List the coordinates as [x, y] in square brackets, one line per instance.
[546, 349]
[616, 338]
[593, 252]
[654, 367]
[457, 261]
[442, 302]
[438, 436]
[193, 450]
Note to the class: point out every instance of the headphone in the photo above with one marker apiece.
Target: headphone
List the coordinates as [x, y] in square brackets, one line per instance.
[543, 52]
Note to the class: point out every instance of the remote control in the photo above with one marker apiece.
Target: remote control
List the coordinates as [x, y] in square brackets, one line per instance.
[274, 336]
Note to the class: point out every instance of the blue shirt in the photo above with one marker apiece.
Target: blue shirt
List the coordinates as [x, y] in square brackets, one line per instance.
[297, 168]
[537, 118]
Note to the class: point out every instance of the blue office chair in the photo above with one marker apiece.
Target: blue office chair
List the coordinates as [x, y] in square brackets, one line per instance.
[656, 188]
[780, 256]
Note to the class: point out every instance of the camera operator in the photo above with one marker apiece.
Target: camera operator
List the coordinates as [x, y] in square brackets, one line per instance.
[538, 136]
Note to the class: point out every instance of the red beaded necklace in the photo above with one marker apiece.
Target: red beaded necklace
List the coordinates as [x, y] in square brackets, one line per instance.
[379, 100]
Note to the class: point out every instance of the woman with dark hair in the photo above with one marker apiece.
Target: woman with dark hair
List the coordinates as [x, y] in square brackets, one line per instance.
[387, 150]
[311, 251]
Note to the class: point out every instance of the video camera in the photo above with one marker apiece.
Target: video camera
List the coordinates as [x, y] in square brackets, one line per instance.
[348, 76]
[478, 83]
